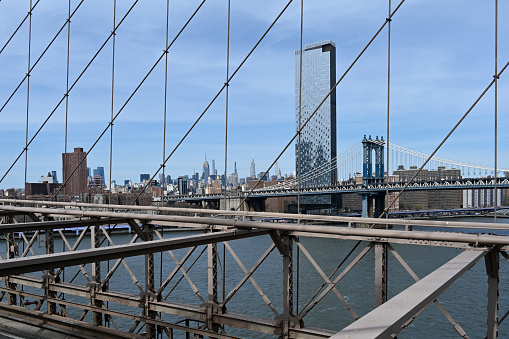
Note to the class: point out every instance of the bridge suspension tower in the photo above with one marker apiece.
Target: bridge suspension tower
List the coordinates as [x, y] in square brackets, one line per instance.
[373, 203]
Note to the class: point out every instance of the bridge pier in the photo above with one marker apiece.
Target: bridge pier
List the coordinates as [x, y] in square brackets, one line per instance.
[251, 204]
[373, 204]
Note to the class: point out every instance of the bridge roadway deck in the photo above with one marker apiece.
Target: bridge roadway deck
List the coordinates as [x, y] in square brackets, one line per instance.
[10, 328]
[268, 192]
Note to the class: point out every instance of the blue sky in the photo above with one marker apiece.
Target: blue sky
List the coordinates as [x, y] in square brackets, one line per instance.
[442, 59]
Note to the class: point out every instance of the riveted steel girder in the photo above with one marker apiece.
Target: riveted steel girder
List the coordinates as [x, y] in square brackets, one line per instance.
[388, 318]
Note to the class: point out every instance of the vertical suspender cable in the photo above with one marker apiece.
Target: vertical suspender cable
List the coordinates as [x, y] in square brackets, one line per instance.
[298, 151]
[28, 105]
[388, 102]
[67, 98]
[164, 123]
[67, 75]
[114, 33]
[19, 26]
[495, 193]
[300, 103]
[227, 84]
[28, 93]
[226, 138]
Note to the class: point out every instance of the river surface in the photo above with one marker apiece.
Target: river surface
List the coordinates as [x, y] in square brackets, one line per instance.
[465, 300]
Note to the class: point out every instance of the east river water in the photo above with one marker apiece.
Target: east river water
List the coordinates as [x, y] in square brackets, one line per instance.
[465, 300]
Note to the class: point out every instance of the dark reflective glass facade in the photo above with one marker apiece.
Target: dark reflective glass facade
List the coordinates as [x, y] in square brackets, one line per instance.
[318, 138]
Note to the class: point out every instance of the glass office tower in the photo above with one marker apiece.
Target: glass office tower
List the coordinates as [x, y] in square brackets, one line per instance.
[318, 138]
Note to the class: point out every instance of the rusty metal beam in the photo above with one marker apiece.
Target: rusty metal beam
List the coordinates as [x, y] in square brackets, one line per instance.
[50, 225]
[475, 239]
[57, 260]
[383, 321]
[261, 215]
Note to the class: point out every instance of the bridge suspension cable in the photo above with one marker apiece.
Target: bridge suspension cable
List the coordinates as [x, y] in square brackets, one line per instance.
[70, 88]
[40, 56]
[323, 101]
[21, 24]
[421, 155]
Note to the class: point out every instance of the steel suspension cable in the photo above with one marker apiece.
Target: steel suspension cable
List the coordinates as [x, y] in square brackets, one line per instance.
[29, 14]
[111, 121]
[38, 59]
[165, 107]
[221, 90]
[28, 95]
[495, 192]
[67, 73]
[388, 102]
[497, 76]
[324, 99]
[164, 122]
[300, 105]
[226, 108]
[223, 270]
[349, 155]
[70, 89]
[112, 95]
[67, 101]
[132, 95]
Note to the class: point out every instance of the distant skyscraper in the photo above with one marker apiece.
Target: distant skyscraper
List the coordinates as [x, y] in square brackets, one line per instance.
[77, 183]
[99, 171]
[213, 169]
[182, 185]
[206, 170]
[252, 173]
[144, 177]
[318, 138]
[54, 175]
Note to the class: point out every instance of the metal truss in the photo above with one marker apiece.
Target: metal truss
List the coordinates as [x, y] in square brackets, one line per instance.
[83, 302]
[476, 183]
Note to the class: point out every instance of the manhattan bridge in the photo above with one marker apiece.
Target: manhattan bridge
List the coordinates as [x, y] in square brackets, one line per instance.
[80, 270]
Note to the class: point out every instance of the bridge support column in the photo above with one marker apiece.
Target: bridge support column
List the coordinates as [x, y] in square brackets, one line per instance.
[212, 307]
[380, 274]
[50, 275]
[379, 204]
[149, 283]
[365, 205]
[10, 242]
[492, 269]
[373, 204]
[95, 240]
[287, 319]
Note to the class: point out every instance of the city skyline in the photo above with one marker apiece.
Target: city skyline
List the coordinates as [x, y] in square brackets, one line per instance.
[438, 70]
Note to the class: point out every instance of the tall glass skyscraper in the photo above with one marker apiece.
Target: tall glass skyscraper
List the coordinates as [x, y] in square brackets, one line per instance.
[318, 138]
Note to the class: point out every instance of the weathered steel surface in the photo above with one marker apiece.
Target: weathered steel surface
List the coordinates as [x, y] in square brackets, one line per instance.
[43, 262]
[388, 318]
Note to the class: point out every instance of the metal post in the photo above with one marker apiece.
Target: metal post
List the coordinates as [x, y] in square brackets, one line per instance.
[95, 242]
[287, 286]
[380, 274]
[211, 307]
[50, 276]
[149, 282]
[11, 253]
[492, 269]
